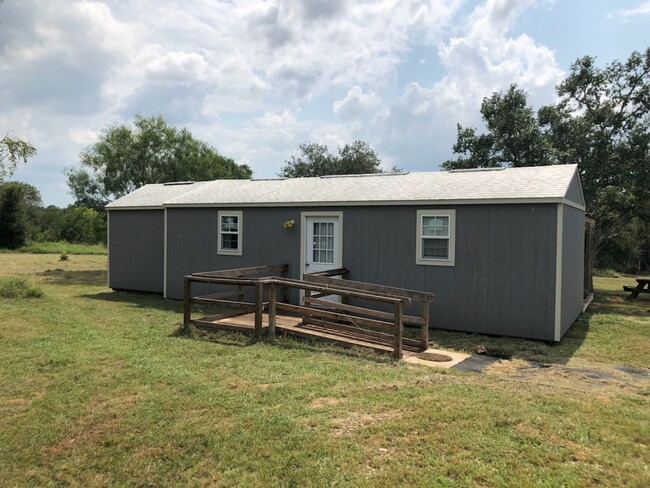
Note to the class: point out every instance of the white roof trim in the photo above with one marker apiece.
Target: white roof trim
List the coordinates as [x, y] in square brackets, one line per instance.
[147, 207]
[385, 203]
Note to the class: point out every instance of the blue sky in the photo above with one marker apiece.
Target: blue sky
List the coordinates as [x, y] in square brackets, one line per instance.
[255, 79]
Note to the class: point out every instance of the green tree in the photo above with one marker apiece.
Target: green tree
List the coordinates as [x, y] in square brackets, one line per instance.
[13, 216]
[513, 136]
[81, 225]
[150, 151]
[316, 160]
[601, 123]
[13, 151]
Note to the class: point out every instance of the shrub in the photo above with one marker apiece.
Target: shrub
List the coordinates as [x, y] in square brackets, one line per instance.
[63, 256]
[605, 273]
[13, 287]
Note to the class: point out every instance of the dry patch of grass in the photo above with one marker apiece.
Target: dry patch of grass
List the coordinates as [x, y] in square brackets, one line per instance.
[354, 422]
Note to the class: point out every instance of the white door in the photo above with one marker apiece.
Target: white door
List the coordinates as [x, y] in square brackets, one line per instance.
[323, 246]
[323, 243]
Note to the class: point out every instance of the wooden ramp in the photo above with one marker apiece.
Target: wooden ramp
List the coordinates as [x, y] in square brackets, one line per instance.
[355, 318]
[292, 325]
[245, 322]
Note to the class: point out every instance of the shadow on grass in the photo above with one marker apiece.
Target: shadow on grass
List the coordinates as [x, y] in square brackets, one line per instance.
[526, 349]
[87, 277]
[606, 303]
[230, 338]
[139, 300]
[291, 343]
[614, 302]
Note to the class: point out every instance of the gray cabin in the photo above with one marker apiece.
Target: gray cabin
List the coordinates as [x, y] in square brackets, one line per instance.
[501, 249]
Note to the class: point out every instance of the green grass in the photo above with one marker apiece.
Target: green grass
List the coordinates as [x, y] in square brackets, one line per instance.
[606, 273]
[18, 287]
[98, 389]
[61, 247]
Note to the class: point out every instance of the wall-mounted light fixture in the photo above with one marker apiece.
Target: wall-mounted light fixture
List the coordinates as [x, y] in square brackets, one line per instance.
[289, 224]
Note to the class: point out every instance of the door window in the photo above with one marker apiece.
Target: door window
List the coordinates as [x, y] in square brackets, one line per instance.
[323, 243]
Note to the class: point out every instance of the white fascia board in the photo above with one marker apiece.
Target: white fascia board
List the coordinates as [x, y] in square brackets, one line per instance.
[165, 253]
[108, 249]
[382, 203]
[148, 207]
[573, 204]
[558, 273]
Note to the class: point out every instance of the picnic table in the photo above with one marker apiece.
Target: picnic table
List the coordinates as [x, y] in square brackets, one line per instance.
[642, 286]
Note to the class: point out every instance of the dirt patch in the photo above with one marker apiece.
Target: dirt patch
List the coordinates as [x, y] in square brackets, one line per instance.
[435, 357]
[102, 417]
[597, 380]
[355, 421]
[325, 402]
[13, 401]
[578, 452]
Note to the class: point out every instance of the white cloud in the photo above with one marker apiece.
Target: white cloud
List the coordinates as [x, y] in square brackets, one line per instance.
[356, 104]
[419, 127]
[632, 13]
[83, 135]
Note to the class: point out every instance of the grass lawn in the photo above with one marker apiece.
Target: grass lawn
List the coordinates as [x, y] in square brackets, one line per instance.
[98, 389]
[61, 247]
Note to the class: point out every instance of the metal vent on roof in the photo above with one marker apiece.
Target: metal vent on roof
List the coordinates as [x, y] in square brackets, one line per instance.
[366, 175]
[177, 183]
[475, 170]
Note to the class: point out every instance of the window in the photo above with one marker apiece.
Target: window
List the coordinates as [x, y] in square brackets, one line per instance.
[230, 235]
[323, 248]
[436, 238]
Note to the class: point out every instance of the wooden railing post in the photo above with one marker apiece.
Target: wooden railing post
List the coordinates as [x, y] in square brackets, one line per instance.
[399, 325]
[284, 289]
[187, 302]
[305, 315]
[259, 307]
[424, 331]
[272, 309]
[345, 276]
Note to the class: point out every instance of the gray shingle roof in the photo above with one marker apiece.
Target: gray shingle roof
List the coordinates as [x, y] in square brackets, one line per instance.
[540, 183]
[154, 195]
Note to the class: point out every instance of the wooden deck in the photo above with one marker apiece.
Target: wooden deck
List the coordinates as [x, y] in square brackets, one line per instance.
[294, 325]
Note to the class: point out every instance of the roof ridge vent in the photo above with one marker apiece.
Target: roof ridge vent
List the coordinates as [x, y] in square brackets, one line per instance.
[476, 170]
[364, 175]
[268, 179]
[178, 183]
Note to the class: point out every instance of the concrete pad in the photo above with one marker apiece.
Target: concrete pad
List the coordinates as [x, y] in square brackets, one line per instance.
[476, 363]
[456, 357]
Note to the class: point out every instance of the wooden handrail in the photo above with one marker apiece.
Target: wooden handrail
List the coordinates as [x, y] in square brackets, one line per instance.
[378, 289]
[331, 272]
[238, 272]
[320, 283]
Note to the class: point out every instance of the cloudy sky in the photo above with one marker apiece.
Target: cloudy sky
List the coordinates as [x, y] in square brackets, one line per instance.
[257, 78]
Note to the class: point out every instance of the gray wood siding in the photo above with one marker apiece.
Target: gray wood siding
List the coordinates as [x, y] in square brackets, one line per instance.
[573, 231]
[504, 278]
[136, 250]
[503, 281]
[192, 242]
[574, 193]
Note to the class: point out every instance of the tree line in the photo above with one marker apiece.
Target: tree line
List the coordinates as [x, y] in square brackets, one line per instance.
[601, 122]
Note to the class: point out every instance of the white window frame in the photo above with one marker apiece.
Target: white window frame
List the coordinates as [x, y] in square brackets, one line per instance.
[451, 259]
[240, 226]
